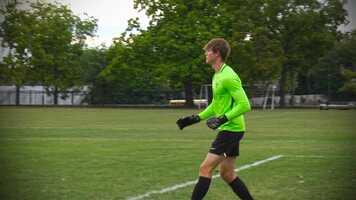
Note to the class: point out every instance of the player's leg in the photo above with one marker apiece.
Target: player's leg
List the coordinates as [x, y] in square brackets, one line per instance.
[227, 173]
[205, 173]
[227, 167]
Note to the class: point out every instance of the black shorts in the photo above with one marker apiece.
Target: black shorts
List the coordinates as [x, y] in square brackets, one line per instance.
[227, 144]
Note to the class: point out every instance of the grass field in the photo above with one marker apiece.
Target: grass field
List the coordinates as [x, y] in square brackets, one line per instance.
[87, 153]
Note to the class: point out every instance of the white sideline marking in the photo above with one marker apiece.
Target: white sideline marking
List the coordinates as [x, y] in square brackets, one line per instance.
[309, 156]
[188, 183]
[318, 156]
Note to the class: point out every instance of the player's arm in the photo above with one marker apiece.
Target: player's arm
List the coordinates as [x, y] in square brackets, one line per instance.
[234, 87]
[207, 112]
[190, 120]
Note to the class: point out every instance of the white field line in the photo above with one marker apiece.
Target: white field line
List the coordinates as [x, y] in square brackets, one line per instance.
[188, 183]
[308, 156]
[318, 156]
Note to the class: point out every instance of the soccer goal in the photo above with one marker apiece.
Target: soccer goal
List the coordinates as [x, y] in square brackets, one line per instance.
[269, 97]
[205, 95]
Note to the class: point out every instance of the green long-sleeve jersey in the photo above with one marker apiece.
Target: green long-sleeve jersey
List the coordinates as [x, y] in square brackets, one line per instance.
[229, 99]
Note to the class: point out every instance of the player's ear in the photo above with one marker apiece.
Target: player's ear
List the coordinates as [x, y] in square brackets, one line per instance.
[215, 51]
[218, 54]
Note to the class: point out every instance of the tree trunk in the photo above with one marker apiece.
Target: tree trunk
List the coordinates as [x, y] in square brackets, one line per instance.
[309, 84]
[188, 90]
[282, 87]
[17, 99]
[55, 96]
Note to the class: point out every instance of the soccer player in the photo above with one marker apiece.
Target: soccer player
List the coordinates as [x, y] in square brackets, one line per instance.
[225, 113]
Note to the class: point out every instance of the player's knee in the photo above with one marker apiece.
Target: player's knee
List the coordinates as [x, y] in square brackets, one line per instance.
[205, 170]
[227, 176]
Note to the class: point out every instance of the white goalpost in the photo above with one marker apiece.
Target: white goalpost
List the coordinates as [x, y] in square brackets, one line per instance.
[204, 95]
[270, 92]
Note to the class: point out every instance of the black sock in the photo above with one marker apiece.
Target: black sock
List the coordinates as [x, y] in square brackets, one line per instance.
[201, 188]
[240, 189]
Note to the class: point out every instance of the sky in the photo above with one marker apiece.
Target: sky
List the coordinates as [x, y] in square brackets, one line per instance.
[112, 17]
[351, 10]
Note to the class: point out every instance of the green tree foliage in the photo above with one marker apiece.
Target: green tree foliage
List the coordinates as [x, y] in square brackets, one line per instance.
[133, 73]
[306, 30]
[256, 55]
[93, 61]
[349, 86]
[46, 42]
[179, 29]
[15, 67]
[335, 73]
[271, 40]
[288, 37]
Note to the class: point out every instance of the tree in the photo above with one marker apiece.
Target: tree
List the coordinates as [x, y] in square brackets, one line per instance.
[133, 74]
[179, 29]
[335, 73]
[349, 86]
[288, 37]
[256, 56]
[47, 41]
[15, 65]
[306, 30]
[92, 62]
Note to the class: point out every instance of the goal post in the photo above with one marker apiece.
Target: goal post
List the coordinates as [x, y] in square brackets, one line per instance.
[205, 95]
[269, 97]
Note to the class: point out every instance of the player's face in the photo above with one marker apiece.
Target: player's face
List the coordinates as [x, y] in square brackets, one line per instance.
[210, 57]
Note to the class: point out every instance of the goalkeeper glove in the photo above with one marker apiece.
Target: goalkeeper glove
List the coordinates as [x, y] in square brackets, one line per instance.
[215, 122]
[187, 121]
